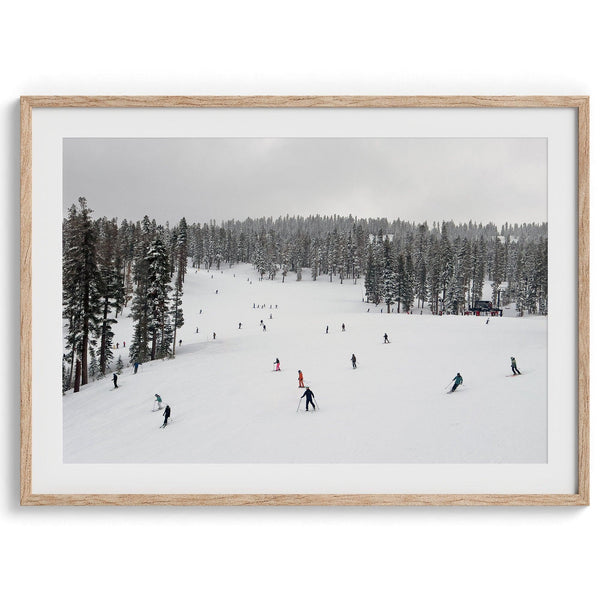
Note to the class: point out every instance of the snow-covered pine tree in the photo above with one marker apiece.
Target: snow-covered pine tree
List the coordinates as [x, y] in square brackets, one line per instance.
[541, 275]
[446, 258]
[81, 297]
[421, 243]
[93, 368]
[181, 254]
[434, 275]
[498, 268]
[110, 287]
[285, 261]
[141, 307]
[158, 294]
[389, 277]
[478, 259]
[407, 286]
[314, 259]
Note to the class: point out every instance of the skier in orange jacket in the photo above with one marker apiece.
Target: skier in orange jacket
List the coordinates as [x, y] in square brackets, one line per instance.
[300, 379]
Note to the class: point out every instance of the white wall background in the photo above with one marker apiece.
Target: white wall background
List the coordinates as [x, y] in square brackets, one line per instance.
[309, 47]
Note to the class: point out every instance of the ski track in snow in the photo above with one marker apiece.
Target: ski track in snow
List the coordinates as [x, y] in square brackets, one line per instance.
[229, 406]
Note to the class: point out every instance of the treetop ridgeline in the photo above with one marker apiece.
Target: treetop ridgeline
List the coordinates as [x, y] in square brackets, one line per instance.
[107, 265]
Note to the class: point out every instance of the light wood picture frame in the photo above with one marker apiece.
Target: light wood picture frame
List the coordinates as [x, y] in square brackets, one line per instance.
[30, 105]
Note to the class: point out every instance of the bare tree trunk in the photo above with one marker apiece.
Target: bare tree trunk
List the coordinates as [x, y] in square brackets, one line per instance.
[77, 376]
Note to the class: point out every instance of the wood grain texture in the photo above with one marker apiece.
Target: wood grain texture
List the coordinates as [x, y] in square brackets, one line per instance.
[308, 499]
[26, 304]
[305, 101]
[584, 299]
[581, 103]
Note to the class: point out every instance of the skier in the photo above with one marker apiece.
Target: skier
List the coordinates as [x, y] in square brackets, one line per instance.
[136, 364]
[309, 396]
[457, 381]
[353, 360]
[166, 414]
[196, 330]
[343, 327]
[264, 328]
[159, 400]
[115, 380]
[513, 366]
[300, 379]
[327, 329]
[239, 325]
[180, 342]
[385, 338]
[277, 366]
[214, 336]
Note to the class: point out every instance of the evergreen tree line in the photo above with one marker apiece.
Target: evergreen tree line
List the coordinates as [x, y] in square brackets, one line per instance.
[141, 265]
[106, 267]
[442, 267]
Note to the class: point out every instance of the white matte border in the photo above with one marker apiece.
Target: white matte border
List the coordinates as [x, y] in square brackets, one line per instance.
[51, 125]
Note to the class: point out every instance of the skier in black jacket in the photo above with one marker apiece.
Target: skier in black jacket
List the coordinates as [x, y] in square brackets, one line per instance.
[309, 396]
[167, 414]
[115, 380]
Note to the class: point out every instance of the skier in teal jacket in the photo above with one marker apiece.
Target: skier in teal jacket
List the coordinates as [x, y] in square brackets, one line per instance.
[457, 381]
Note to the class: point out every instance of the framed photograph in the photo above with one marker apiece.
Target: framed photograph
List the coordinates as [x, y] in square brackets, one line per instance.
[305, 300]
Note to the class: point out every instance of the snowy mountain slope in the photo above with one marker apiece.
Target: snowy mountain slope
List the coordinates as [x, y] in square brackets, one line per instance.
[228, 405]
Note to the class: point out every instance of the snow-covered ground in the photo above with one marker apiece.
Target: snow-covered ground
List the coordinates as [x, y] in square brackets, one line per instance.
[228, 405]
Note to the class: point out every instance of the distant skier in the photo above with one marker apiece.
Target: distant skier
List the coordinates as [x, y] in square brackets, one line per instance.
[136, 364]
[264, 328]
[214, 336]
[513, 366]
[158, 401]
[166, 414]
[457, 381]
[487, 321]
[353, 361]
[343, 327]
[117, 345]
[300, 379]
[385, 338]
[277, 365]
[180, 342]
[239, 325]
[115, 380]
[327, 329]
[196, 330]
[309, 396]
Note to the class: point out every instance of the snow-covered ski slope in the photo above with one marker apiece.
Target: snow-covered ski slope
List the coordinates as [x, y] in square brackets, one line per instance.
[229, 406]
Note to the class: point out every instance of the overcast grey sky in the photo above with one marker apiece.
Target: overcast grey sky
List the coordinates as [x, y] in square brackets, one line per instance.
[415, 179]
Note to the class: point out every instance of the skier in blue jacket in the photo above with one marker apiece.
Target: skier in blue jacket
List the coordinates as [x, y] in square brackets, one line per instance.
[457, 381]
